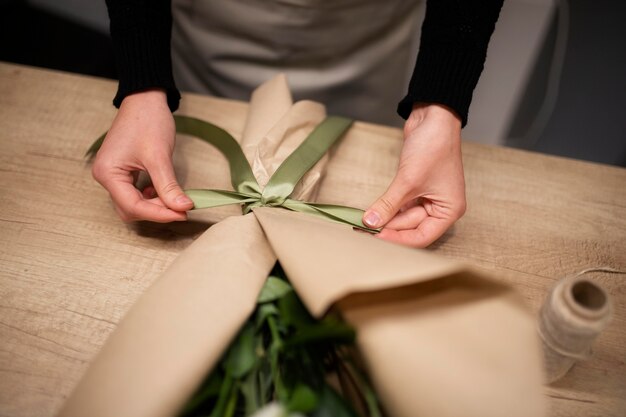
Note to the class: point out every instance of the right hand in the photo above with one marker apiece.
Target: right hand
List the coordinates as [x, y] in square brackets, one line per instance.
[427, 195]
[142, 138]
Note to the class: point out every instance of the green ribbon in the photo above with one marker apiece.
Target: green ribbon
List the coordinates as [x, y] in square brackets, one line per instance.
[280, 186]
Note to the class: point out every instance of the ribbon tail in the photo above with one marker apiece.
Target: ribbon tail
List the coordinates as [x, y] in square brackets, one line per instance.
[241, 174]
[339, 214]
[95, 147]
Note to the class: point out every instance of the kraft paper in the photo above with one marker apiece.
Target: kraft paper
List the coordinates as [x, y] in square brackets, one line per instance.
[439, 339]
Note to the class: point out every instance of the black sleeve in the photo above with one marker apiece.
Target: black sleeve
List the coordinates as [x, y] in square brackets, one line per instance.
[141, 31]
[453, 49]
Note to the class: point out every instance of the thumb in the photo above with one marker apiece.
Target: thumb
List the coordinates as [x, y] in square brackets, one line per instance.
[386, 207]
[164, 181]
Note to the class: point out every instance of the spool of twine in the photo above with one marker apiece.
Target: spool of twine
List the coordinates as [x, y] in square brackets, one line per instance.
[573, 315]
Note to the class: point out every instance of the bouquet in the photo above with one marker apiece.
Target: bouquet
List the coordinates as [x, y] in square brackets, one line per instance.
[284, 362]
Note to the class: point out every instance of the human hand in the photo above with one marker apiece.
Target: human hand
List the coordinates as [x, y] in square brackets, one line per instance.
[427, 195]
[142, 138]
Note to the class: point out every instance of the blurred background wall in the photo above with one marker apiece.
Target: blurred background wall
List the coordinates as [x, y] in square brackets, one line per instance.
[90, 13]
[554, 81]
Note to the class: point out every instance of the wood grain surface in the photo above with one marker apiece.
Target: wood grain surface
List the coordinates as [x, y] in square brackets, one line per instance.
[69, 268]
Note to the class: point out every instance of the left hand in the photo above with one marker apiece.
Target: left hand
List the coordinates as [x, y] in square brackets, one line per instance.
[427, 195]
[142, 138]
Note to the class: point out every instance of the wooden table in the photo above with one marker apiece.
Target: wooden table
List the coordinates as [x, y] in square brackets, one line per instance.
[70, 269]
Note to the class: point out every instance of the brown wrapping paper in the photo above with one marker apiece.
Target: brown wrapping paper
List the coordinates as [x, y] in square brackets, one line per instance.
[437, 338]
[178, 329]
[273, 132]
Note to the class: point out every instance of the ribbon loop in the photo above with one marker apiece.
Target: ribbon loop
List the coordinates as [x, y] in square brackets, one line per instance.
[300, 161]
[284, 180]
[241, 176]
[280, 186]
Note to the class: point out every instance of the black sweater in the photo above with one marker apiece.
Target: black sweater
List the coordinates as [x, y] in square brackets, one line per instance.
[453, 49]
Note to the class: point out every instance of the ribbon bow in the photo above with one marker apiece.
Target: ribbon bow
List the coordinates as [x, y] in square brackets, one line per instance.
[276, 193]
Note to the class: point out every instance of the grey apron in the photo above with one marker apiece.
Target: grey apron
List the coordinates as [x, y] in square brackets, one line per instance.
[352, 55]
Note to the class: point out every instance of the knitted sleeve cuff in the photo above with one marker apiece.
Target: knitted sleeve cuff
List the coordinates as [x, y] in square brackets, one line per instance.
[141, 39]
[446, 76]
[142, 65]
[453, 49]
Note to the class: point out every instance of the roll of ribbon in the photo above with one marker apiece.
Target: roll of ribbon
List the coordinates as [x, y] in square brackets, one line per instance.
[572, 316]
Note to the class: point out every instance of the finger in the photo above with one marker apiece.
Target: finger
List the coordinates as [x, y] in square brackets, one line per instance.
[161, 171]
[131, 206]
[386, 207]
[410, 218]
[411, 203]
[156, 201]
[149, 192]
[427, 232]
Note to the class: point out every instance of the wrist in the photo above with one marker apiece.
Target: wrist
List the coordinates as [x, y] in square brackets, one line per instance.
[149, 97]
[436, 113]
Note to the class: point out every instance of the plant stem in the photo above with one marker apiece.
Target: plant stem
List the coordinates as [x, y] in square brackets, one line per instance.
[274, 351]
[368, 392]
[277, 341]
[231, 405]
[224, 396]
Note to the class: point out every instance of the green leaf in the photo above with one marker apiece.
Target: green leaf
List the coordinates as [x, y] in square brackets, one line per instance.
[292, 311]
[242, 355]
[331, 404]
[303, 399]
[273, 289]
[325, 331]
[263, 312]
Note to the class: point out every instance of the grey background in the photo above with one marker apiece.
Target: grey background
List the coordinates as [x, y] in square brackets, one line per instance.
[523, 99]
[588, 120]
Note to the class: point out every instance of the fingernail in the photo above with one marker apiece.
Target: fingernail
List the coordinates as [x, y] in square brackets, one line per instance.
[371, 218]
[183, 199]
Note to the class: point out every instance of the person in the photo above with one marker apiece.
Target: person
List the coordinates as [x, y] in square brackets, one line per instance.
[427, 194]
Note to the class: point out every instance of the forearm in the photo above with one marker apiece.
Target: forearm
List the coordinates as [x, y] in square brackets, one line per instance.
[453, 48]
[141, 31]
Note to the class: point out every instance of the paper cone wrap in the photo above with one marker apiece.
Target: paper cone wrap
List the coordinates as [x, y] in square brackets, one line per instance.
[438, 339]
[177, 330]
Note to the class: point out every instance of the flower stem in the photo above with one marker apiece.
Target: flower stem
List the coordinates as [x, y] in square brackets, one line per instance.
[274, 351]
